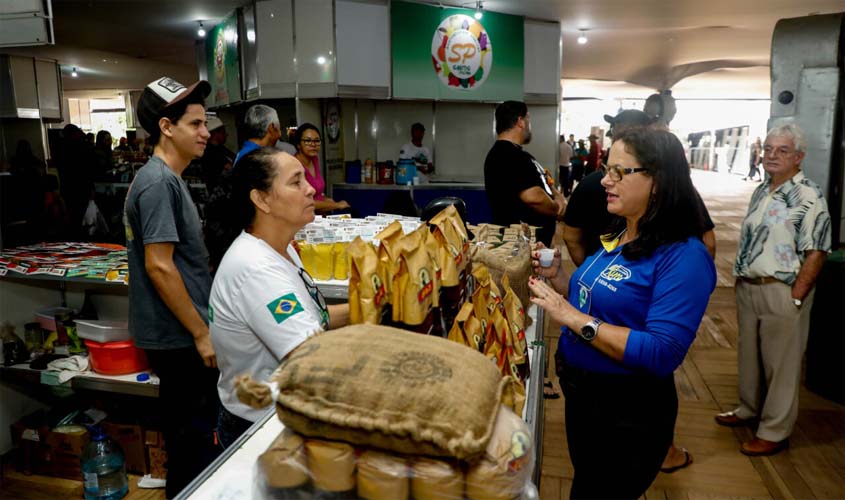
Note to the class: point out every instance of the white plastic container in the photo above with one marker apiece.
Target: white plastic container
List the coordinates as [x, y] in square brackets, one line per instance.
[102, 331]
[46, 316]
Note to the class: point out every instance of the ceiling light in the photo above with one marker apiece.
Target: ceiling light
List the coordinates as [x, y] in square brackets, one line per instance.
[478, 14]
[582, 38]
[73, 73]
[321, 60]
[201, 31]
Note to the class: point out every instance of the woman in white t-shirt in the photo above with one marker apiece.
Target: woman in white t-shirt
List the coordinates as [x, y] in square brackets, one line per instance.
[263, 303]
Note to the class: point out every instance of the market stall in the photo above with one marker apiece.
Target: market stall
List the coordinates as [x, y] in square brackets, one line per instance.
[231, 475]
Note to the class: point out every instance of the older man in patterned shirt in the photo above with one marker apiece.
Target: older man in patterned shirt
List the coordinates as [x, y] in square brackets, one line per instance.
[784, 240]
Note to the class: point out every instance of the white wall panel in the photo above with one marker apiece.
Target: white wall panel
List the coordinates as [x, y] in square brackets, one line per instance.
[542, 57]
[464, 136]
[367, 138]
[363, 43]
[314, 25]
[274, 32]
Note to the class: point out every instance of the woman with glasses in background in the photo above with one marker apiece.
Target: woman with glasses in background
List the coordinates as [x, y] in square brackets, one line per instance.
[630, 313]
[308, 142]
[263, 303]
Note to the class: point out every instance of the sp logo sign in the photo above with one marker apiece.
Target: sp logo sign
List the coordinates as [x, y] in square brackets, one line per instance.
[461, 52]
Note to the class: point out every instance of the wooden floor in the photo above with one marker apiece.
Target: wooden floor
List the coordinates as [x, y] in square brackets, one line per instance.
[814, 465]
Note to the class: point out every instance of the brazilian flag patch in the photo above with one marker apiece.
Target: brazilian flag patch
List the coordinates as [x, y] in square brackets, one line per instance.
[210, 314]
[284, 307]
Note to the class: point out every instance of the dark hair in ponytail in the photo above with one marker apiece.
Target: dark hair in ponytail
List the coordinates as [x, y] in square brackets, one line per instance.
[229, 209]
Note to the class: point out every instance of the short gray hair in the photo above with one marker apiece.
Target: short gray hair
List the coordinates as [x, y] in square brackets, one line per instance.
[791, 130]
[258, 118]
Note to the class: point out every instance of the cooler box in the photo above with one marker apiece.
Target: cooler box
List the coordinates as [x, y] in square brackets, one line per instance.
[116, 358]
[102, 331]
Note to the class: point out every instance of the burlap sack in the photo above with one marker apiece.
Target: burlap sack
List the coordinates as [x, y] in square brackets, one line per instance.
[391, 389]
[382, 476]
[507, 463]
[331, 464]
[436, 480]
[511, 259]
[283, 465]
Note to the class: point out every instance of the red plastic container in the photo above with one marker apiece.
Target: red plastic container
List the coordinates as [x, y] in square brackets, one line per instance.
[116, 358]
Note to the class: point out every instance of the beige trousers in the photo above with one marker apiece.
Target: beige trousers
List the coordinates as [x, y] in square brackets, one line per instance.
[772, 338]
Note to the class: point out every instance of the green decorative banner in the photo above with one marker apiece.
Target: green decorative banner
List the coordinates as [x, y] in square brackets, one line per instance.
[221, 52]
[445, 53]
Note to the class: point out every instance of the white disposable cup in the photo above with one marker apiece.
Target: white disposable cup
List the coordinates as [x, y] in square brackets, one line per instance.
[547, 256]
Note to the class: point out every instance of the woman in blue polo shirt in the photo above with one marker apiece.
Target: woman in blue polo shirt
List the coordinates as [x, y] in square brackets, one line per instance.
[632, 312]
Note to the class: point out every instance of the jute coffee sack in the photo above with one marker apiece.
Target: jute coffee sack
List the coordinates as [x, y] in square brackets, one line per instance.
[283, 466]
[382, 476]
[436, 480]
[331, 464]
[511, 259]
[507, 463]
[367, 292]
[390, 389]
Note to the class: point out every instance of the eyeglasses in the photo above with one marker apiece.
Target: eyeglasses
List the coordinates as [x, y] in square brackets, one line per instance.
[617, 172]
[316, 296]
[771, 152]
[311, 142]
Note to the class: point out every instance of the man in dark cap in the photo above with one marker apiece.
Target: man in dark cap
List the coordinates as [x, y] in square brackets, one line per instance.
[170, 280]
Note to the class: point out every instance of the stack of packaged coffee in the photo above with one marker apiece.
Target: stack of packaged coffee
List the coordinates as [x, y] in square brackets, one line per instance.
[416, 281]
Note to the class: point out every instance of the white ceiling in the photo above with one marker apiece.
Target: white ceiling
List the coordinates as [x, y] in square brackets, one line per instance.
[699, 48]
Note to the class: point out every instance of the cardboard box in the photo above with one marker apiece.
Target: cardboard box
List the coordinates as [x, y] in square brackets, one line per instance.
[157, 455]
[130, 437]
[46, 452]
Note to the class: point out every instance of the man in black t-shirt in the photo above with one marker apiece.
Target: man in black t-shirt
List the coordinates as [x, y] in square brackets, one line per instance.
[516, 183]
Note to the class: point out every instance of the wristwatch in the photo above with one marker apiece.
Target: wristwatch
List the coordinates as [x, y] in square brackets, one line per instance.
[797, 302]
[591, 329]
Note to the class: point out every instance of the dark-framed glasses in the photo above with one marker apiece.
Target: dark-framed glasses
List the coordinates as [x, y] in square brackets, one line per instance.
[770, 152]
[617, 172]
[316, 296]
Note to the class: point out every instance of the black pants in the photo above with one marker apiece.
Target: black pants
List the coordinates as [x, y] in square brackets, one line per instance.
[189, 402]
[752, 170]
[619, 429]
[565, 179]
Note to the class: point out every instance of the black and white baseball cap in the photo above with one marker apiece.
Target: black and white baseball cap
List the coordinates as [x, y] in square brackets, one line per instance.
[162, 93]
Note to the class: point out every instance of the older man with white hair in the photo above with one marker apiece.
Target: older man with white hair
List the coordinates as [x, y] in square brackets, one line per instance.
[784, 240]
[262, 129]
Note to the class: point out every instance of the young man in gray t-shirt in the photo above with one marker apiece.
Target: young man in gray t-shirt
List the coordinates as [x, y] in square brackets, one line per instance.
[169, 278]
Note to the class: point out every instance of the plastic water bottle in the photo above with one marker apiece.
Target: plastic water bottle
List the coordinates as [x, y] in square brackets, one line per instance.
[104, 468]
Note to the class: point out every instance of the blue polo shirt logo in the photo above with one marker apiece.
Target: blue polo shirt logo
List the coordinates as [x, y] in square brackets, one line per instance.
[616, 272]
